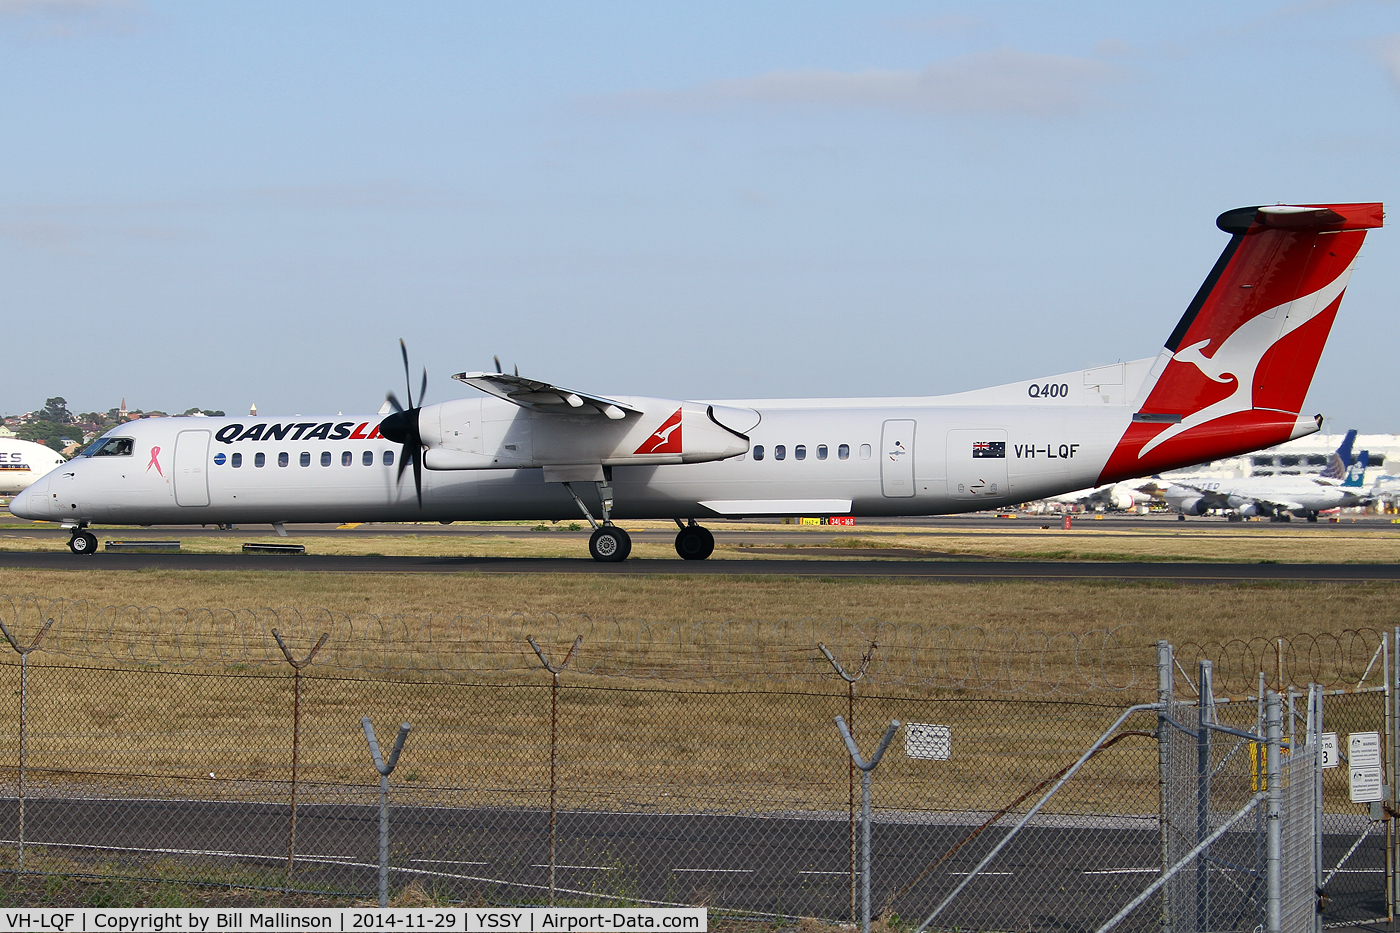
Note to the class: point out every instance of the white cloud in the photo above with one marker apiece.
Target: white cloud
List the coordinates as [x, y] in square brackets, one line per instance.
[999, 81]
[1388, 50]
[63, 18]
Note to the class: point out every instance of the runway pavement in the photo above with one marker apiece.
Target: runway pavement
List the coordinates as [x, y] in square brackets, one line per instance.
[953, 570]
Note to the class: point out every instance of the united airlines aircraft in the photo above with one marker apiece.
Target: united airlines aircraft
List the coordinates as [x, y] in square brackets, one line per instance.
[1231, 378]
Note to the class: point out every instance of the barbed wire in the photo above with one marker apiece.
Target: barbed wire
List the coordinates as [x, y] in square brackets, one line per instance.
[1350, 658]
[754, 651]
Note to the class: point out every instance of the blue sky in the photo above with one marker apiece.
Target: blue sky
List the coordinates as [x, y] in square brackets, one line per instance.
[218, 204]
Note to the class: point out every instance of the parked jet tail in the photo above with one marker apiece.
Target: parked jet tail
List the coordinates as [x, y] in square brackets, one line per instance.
[1356, 473]
[1233, 374]
[1340, 462]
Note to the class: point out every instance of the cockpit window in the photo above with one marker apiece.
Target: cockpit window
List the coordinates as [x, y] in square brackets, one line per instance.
[112, 447]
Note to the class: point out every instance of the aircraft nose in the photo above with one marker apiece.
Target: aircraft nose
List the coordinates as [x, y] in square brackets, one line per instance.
[33, 502]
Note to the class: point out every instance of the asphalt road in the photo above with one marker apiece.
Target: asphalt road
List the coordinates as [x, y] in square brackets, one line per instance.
[1068, 876]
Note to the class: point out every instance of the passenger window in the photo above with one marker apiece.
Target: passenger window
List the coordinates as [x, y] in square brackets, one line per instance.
[821, 451]
[865, 451]
[305, 458]
[236, 460]
[325, 458]
[388, 458]
[368, 458]
[260, 460]
[758, 452]
[800, 452]
[843, 452]
[283, 459]
[779, 452]
[346, 458]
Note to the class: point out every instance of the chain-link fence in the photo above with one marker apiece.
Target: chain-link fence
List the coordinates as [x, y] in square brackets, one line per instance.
[178, 747]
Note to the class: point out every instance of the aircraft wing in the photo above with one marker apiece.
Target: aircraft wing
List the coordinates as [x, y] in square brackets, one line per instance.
[541, 396]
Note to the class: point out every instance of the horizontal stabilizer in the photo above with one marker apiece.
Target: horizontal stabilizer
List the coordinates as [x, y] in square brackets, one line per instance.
[541, 396]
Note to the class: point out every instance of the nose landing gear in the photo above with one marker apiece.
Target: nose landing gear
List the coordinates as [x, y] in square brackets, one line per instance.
[694, 542]
[82, 542]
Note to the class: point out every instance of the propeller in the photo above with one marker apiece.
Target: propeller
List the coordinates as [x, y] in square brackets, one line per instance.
[401, 427]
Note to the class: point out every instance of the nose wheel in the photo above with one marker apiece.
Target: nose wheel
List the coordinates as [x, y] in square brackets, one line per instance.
[694, 542]
[83, 542]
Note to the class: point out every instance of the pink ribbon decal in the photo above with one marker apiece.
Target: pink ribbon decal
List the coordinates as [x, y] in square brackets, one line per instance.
[155, 452]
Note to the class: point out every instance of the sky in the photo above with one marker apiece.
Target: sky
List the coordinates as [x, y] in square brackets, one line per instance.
[215, 205]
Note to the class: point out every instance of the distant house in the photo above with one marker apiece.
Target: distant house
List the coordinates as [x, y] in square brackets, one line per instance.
[6, 432]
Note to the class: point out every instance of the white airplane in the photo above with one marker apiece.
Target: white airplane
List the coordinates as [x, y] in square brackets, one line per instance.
[1231, 379]
[22, 462]
[1120, 496]
[1279, 497]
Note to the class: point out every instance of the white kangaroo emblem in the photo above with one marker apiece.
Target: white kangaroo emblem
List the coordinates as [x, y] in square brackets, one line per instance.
[1238, 356]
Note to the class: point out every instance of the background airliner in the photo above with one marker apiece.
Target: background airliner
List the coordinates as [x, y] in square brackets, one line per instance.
[1279, 497]
[22, 462]
[1232, 378]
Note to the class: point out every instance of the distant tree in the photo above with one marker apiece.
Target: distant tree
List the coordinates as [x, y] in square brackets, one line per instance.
[44, 432]
[56, 410]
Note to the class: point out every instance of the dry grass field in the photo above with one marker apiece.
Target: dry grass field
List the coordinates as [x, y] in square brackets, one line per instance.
[669, 739]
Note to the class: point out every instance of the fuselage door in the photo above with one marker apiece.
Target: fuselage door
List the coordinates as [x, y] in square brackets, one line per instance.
[977, 463]
[897, 459]
[192, 468]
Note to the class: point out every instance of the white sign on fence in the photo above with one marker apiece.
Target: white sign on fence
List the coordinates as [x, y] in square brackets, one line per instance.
[923, 740]
[1365, 750]
[1365, 785]
[1327, 750]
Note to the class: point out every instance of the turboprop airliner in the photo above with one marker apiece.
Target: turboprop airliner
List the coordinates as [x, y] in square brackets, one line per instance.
[1231, 378]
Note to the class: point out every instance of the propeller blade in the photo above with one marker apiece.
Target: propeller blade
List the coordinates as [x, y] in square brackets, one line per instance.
[407, 379]
[497, 361]
[418, 476]
[393, 401]
[517, 369]
[423, 390]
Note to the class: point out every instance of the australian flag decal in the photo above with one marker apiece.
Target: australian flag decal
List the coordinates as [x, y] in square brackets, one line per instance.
[990, 450]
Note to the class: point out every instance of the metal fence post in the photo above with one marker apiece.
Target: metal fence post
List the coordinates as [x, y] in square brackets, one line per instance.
[296, 736]
[1314, 733]
[1205, 705]
[1165, 678]
[1391, 643]
[553, 742]
[23, 653]
[385, 769]
[850, 680]
[865, 768]
[1273, 859]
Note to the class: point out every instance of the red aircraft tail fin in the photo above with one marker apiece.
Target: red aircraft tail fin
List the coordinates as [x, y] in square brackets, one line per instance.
[1234, 373]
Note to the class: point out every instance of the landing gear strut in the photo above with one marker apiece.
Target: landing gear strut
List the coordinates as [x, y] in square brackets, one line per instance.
[82, 542]
[694, 542]
[609, 543]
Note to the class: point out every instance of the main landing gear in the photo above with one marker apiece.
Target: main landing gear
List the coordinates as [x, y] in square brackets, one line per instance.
[694, 542]
[609, 543]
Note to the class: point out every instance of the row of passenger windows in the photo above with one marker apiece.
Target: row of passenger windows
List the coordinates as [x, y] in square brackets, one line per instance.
[843, 452]
[285, 459]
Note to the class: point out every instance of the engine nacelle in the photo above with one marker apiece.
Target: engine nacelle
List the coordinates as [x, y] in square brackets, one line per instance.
[1252, 509]
[1121, 498]
[1194, 506]
[484, 434]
